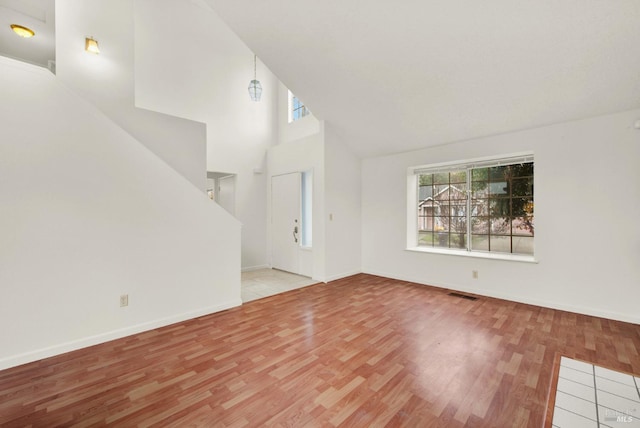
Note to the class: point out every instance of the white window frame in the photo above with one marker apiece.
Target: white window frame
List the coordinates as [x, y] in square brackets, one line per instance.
[412, 201]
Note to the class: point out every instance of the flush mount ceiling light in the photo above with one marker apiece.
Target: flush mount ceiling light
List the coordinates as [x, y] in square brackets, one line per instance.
[22, 31]
[91, 45]
[255, 88]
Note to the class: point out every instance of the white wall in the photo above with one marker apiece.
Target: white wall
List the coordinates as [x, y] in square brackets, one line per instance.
[107, 81]
[87, 214]
[190, 64]
[306, 154]
[342, 208]
[587, 196]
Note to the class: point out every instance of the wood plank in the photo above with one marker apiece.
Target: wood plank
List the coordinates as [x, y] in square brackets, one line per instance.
[361, 351]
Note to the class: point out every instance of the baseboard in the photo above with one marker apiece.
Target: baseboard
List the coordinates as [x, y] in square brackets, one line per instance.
[512, 298]
[252, 268]
[74, 345]
[342, 275]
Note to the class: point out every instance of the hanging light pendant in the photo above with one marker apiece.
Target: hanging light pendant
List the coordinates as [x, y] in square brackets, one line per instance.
[255, 88]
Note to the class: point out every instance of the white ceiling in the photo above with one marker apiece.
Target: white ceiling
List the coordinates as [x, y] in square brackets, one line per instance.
[395, 76]
[38, 15]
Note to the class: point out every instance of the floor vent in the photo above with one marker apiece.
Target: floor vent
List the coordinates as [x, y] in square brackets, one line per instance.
[463, 296]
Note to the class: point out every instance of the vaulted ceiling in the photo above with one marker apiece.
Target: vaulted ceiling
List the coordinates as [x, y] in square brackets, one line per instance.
[395, 76]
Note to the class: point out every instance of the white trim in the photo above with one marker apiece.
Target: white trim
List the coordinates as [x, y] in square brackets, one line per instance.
[38, 354]
[594, 312]
[257, 267]
[485, 161]
[342, 275]
[476, 254]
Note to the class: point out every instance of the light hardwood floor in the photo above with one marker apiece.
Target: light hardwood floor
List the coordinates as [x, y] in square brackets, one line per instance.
[359, 352]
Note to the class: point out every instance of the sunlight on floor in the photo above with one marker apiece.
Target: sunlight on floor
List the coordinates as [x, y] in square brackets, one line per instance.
[267, 282]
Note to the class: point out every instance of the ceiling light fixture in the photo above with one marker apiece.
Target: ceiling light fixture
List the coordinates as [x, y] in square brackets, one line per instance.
[22, 31]
[255, 88]
[91, 45]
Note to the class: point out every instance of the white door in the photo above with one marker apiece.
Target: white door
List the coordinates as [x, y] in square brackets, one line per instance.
[285, 222]
[226, 196]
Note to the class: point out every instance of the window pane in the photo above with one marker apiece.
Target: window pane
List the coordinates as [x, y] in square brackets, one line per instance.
[499, 173]
[458, 209]
[458, 191]
[522, 206]
[458, 177]
[425, 238]
[480, 189]
[500, 188]
[522, 186]
[424, 192]
[441, 239]
[425, 179]
[458, 224]
[441, 178]
[425, 223]
[522, 170]
[441, 224]
[458, 240]
[480, 207]
[480, 174]
[500, 226]
[479, 225]
[500, 207]
[441, 192]
[523, 245]
[480, 242]
[522, 226]
[500, 244]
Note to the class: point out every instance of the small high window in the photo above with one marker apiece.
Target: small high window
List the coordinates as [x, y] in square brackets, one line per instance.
[297, 109]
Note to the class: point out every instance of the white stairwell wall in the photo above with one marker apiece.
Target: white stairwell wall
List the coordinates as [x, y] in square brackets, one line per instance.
[108, 81]
[191, 65]
[87, 214]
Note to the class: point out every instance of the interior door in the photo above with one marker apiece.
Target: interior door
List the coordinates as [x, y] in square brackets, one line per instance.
[285, 222]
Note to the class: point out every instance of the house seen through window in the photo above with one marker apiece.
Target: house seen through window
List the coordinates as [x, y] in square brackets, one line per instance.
[485, 207]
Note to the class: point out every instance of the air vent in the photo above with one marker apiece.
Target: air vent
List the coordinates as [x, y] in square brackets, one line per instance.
[462, 296]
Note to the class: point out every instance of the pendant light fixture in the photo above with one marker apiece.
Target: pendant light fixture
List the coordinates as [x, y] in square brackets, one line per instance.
[255, 88]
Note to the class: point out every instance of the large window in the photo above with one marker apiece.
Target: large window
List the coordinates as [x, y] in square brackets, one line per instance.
[484, 206]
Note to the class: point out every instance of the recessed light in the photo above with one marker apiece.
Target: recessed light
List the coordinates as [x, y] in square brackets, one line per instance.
[22, 31]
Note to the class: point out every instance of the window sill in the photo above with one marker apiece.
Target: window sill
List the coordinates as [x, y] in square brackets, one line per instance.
[476, 254]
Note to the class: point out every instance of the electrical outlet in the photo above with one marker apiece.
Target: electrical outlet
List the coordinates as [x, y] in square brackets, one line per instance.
[124, 300]
[474, 274]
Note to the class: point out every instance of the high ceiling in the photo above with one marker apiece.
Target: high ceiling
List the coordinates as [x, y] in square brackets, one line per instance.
[37, 15]
[395, 76]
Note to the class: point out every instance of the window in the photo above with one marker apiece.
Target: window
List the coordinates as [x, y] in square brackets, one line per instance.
[297, 109]
[483, 206]
[306, 226]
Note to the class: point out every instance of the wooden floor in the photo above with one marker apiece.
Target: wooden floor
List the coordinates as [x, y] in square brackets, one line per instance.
[365, 351]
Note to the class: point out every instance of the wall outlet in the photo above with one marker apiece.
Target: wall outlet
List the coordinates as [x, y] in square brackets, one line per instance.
[124, 300]
[474, 274]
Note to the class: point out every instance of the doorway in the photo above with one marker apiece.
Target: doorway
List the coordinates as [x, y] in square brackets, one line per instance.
[285, 222]
[221, 187]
